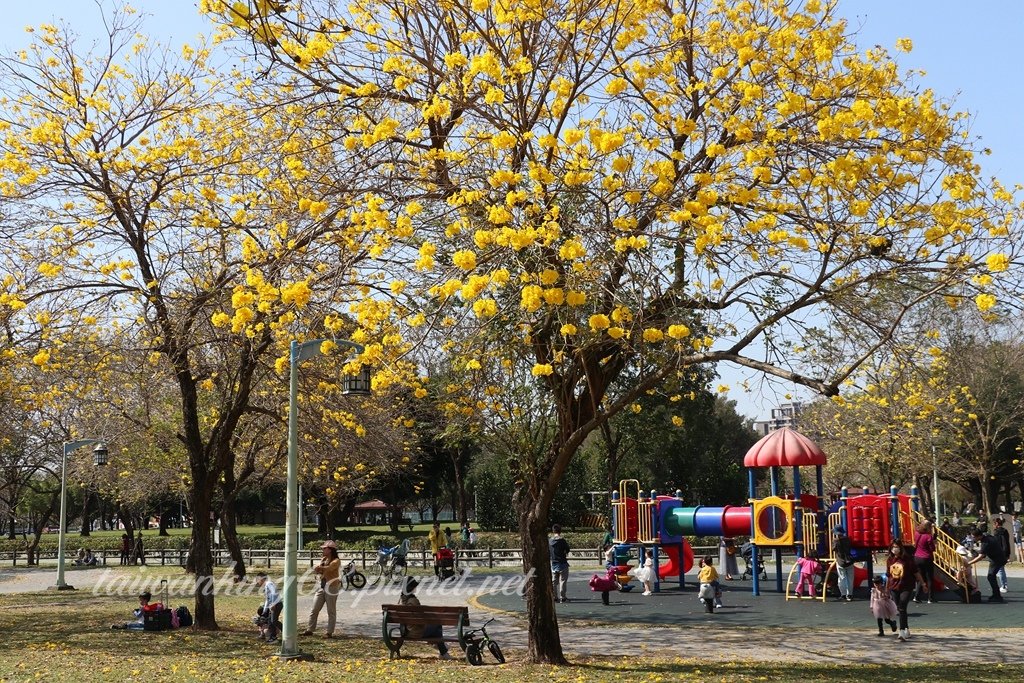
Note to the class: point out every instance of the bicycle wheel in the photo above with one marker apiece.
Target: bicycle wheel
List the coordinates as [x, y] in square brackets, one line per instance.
[496, 651]
[357, 580]
[399, 570]
[378, 573]
[473, 655]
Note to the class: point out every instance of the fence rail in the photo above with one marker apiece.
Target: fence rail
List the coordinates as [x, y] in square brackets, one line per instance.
[262, 557]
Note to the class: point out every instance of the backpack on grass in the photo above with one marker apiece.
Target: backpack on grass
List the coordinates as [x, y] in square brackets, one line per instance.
[184, 617]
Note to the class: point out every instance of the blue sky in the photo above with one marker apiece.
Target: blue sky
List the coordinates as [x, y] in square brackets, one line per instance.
[969, 51]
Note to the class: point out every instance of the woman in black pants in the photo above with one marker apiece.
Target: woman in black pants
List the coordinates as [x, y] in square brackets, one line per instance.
[903, 577]
[924, 554]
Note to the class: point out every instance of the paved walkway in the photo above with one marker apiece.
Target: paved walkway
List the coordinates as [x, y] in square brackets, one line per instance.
[748, 628]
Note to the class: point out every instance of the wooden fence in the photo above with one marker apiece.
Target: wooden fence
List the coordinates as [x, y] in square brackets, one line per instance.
[259, 557]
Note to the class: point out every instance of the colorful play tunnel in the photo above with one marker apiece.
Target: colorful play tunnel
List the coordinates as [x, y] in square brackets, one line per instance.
[702, 520]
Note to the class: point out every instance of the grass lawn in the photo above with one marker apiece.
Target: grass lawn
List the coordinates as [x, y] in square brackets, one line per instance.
[66, 636]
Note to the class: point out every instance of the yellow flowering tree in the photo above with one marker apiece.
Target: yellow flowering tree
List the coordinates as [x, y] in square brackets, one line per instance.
[179, 209]
[986, 428]
[880, 431]
[586, 185]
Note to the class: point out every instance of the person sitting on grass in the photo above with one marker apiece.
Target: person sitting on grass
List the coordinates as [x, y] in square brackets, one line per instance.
[140, 613]
[408, 597]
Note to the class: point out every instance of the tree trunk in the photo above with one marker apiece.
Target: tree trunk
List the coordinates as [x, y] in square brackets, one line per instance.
[460, 491]
[86, 514]
[33, 546]
[200, 560]
[229, 532]
[988, 493]
[126, 521]
[544, 641]
[163, 522]
[12, 525]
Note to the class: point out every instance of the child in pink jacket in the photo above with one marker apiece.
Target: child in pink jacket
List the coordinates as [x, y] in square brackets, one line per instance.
[808, 568]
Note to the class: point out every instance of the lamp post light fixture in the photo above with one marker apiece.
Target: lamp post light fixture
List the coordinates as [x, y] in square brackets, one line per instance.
[99, 454]
[352, 386]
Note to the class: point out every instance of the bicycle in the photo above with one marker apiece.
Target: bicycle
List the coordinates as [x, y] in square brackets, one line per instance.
[475, 645]
[353, 577]
[390, 564]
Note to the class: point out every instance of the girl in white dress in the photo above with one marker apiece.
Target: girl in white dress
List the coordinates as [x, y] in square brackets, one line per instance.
[645, 574]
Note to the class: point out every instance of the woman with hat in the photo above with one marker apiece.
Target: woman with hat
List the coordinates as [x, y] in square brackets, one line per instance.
[327, 592]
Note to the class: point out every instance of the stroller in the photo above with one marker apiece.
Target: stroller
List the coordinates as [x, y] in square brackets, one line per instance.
[747, 553]
[445, 560]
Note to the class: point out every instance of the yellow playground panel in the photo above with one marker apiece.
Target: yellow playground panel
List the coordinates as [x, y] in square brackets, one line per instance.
[773, 517]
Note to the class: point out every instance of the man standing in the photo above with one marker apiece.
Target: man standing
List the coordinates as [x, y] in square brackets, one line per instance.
[437, 541]
[844, 563]
[990, 548]
[559, 551]
[1004, 542]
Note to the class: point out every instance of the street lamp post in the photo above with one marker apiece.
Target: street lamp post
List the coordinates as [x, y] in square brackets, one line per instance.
[935, 483]
[355, 386]
[100, 455]
[302, 515]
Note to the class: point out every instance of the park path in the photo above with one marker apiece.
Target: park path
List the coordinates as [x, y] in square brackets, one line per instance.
[359, 614]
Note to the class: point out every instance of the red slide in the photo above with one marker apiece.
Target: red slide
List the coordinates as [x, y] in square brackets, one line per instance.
[671, 568]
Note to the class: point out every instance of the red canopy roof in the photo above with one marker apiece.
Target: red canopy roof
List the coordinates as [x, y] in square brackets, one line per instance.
[784, 448]
[372, 505]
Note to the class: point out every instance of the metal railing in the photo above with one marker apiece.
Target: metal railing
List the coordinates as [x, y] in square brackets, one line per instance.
[946, 558]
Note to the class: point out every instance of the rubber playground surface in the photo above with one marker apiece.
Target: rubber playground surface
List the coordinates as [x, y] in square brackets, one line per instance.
[675, 606]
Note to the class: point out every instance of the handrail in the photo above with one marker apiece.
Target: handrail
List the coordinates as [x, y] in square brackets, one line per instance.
[645, 523]
[945, 557]
[810, 531]
[834, 519]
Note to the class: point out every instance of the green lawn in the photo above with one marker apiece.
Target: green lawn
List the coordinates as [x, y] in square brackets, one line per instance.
[67, 636]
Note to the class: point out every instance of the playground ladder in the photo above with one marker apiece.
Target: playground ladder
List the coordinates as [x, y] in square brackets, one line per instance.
[809, 524]
[620, 510]
[834, 519]
[946, 557]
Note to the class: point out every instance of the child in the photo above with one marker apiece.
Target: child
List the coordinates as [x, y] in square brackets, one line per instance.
[708, 574]
[645, 574]
[808, 567]
[605, 584]
[965, 577]
[609, 556]
[882, 605]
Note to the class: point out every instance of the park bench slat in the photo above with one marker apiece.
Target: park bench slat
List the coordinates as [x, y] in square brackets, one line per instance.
[396, 616]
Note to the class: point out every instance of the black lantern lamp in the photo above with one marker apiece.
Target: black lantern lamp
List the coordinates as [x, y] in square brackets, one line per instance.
[357, 385]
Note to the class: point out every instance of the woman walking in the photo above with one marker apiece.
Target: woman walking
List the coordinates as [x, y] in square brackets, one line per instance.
[902, 577]
[924, 555]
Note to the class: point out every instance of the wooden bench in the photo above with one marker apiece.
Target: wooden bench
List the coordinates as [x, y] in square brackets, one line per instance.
[397, 616]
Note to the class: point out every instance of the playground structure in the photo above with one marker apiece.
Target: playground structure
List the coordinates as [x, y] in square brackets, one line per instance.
[798, 522]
